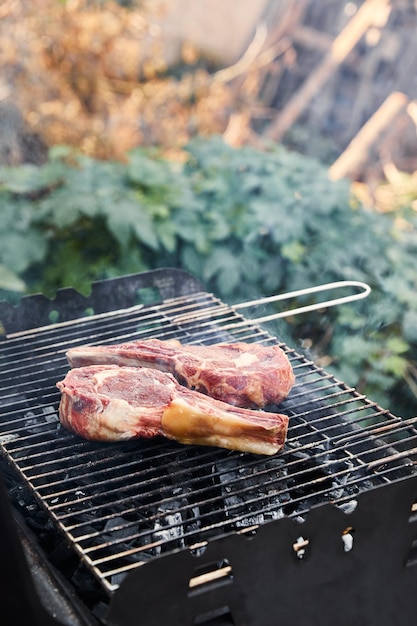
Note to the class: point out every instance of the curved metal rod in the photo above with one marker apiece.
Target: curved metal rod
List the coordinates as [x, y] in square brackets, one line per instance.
[365, 291]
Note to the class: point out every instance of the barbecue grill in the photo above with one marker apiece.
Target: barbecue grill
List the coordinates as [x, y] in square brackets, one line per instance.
[153, 532]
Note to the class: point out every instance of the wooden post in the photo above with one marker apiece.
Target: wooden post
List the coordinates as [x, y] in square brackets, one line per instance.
[342, 45]
[358, 149]
[412, 111]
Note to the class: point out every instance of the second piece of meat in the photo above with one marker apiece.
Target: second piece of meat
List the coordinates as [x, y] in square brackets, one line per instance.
[242, 374]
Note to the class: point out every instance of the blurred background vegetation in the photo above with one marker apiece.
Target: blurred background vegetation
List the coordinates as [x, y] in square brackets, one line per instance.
[264, 150]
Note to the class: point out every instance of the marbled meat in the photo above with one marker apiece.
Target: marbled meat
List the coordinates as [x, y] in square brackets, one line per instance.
[113, 403]
[243, 374]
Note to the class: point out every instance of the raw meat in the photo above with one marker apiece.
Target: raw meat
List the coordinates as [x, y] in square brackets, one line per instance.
[242, 374]
[112, 403]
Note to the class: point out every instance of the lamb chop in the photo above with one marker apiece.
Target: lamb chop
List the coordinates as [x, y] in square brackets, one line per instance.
[248, 375]
[113, 403]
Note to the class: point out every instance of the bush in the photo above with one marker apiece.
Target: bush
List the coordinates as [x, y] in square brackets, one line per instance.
[248, 223]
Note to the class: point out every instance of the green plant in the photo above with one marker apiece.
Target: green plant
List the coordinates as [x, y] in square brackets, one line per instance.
[248, 223]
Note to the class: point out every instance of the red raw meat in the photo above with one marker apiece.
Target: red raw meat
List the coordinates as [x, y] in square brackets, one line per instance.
[112, 403]
[242, 374]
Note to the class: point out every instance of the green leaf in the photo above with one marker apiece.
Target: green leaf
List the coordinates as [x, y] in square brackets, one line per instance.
[294, 251]
[223, 264]
[28, 178]
[144, 229]
[148, 172]
[395, 365]
[167, 235]
[63, 209]
[20, 250]
[123, 219]
[409, 326]
[397, 345]
[218, 227]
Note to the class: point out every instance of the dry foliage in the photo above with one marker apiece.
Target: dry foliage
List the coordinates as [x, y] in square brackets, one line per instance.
[93, 75]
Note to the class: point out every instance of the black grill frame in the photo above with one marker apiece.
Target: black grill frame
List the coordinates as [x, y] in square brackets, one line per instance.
[369, 449]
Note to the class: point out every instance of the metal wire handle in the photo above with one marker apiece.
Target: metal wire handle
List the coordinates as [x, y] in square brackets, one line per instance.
[365, 291]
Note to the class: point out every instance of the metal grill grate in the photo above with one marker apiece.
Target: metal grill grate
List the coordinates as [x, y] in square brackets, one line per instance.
[123, 505]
